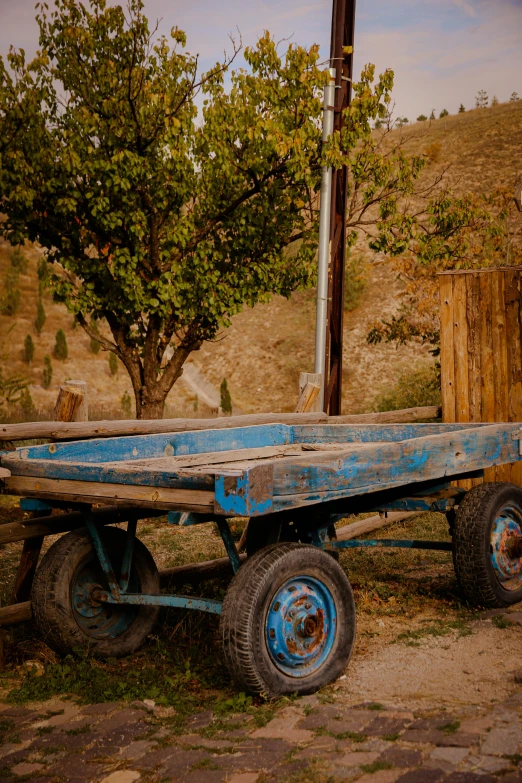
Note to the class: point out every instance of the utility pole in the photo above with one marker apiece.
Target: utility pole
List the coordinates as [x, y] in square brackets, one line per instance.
[341, 60]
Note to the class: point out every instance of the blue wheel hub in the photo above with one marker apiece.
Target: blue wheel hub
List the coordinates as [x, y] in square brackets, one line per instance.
[96, 619]
[301, 626]
[506, 548]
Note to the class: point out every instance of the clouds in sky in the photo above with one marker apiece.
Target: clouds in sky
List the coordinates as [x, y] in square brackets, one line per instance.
[442, 51]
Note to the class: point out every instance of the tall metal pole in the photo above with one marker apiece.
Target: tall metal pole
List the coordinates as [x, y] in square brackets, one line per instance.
[341, 59]
[321, 334]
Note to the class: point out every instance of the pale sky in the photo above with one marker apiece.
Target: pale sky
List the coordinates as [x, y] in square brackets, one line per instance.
[442, 51]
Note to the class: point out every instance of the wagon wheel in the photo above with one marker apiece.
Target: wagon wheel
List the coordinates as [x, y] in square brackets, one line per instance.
[487, 545]
[288, 621]
[67, 615]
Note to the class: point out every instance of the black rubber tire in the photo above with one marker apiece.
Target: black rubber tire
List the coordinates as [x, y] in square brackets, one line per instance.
[471, 544]
[52, 601]
[245, 607]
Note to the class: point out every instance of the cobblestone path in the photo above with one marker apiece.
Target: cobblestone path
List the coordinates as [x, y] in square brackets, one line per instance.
[306, 741]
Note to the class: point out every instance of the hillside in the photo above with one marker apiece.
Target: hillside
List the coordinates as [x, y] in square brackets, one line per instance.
[264, 350]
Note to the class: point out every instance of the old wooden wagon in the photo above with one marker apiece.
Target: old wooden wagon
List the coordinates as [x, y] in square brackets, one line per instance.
[288, 617]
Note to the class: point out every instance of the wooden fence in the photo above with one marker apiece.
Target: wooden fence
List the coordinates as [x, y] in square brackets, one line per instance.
[481, 351]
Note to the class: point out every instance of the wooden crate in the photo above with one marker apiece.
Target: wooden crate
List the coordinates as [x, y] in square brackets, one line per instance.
[481, 352]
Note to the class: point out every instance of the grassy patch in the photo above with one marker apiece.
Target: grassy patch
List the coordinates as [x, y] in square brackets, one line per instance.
[391, 737]
[376, 766]
[501, 621]
[450, 728]
[437, 628]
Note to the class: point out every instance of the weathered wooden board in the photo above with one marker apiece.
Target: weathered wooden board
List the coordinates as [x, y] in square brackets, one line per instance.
[199, 501]
[481, 352]
[16, 613]
[110, 429]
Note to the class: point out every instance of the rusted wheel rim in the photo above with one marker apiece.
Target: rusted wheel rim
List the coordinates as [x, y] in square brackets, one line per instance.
[301, 626]
[506, 548]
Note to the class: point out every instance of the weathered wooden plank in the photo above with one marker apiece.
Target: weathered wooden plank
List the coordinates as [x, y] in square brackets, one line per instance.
[316, 379]
[460, 342]
[514, 324]
[369, 524]
[110, 429]
[500, 374]
[16, 613]
[197, 572]
[200, 501]
[58, 523]
[419, 459]
[473, 316]
[447, 350]
[486, 352]
[26, 569]
[4, 473]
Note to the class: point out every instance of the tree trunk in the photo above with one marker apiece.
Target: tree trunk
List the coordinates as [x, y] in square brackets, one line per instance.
[153, 409]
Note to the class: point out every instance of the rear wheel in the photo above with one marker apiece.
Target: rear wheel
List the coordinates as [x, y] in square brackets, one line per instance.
[288, 621]
[68, 616]
[487, 545]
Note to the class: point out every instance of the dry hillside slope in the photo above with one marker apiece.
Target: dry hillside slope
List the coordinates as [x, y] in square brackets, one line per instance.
[263, 352]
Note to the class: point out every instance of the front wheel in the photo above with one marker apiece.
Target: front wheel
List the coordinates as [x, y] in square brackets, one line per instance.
[487, 545]
[288, 621]
[68, 616]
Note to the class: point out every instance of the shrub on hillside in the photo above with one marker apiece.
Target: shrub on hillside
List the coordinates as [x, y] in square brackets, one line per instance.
[113, 362]
[18, 260]
[26, 402]
[413, 389]
[39, 321]
[47, 372]
[11, 300]
[11, 388]
[421, 118]
[462, 108]
[433, 152]
[60, 350]
[225, 398]
[94, 345]
[28, 349]
[126, 404]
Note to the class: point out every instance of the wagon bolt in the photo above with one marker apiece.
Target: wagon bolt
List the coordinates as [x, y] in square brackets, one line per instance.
[308, 605]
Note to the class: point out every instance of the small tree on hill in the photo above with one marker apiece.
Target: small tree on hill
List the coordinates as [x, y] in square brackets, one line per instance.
[432, 115]
[19, 260]
[11, 300]
[126, 404]
[113, 363]
[514, 97]
[225, 398]
[444, 113]
[39, 321]
[47, 372]
[421, 118]
[28, 349]
[26, 402]
[481, 100]
[60, 350]
[494, 101]
[462, 108]
[11, 389]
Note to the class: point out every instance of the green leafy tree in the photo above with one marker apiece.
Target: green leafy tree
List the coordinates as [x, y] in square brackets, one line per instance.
[421, 118]
[10, 302]
[225, 399]
[167, 224]
[47, 372]
[113, 363]
[40, 319]
[60, 350]
[28, 349]
[19, 260]
[462, 108]
[444, 113]
[94, 343]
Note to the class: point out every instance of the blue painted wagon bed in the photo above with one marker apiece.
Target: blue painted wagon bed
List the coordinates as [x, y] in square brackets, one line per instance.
[288, 618]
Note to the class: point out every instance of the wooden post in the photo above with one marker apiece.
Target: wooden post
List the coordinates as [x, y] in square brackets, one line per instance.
[481, 352]
[309, 399]
[72, 403]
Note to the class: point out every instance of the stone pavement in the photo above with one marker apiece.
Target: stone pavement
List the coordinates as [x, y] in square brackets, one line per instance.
[307, 741]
